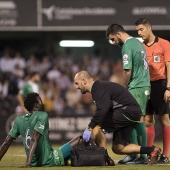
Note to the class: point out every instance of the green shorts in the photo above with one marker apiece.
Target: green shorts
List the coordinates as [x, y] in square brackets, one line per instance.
[58, 157]
[62, 154]
[141, 94]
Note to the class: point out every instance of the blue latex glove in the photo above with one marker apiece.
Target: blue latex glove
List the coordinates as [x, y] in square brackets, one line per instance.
[86, 135]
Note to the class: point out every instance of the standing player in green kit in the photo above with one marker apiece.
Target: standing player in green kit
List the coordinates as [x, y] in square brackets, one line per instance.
[34, 130]
[32, 85]
[136, 79]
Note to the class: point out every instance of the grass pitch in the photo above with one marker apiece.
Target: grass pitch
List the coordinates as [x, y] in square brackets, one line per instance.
[15, 158]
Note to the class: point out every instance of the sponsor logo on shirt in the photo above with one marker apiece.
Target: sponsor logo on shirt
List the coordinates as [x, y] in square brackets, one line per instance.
[147, 92]
[125, 59]
[156, 59]
[56, 153]
[41, 127]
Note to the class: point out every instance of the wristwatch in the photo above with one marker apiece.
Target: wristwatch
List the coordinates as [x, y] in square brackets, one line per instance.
[168, 88]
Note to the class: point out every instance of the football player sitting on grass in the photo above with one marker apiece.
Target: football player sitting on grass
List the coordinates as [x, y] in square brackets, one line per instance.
[34, 130]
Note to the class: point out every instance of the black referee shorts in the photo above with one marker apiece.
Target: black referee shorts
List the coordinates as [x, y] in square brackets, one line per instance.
[156, 103]
[121, 123]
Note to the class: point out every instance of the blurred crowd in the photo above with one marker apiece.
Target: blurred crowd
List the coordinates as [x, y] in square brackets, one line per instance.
[57, 71]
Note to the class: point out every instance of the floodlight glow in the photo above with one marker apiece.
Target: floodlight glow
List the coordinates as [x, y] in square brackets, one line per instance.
[76, 43]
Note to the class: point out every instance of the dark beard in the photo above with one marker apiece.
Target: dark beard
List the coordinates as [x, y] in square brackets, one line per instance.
[42, 107]
[120, 43]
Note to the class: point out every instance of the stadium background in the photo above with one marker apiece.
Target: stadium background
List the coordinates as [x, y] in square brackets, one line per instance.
[30, 32]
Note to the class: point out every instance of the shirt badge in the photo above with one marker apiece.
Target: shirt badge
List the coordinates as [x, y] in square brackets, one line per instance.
[125, 59]
[156, 59]
[41, 127]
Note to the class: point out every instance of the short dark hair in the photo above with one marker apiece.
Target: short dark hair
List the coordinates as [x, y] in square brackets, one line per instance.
[113, 29]
[143, 21]
[30, 100]
[32, 74]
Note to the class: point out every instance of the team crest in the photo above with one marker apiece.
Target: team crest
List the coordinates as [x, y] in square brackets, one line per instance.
[156, 59]
[125, 59]
[41, 127]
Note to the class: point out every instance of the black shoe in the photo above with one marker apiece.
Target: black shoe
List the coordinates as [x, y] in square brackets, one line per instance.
[154, 155]
[128, 158]
[163, 159]
[139, 161]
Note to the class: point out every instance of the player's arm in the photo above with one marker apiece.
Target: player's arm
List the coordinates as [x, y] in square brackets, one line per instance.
[21, 102]
[103, 104]
[36, 136]
[127, 65]
[37, 133]
[126, 77]
[102, 100]
[167, 92]
[5, 146]
[166, 47]
[13, 134]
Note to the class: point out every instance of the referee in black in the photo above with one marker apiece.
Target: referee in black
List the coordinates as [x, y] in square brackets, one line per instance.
[116, 111]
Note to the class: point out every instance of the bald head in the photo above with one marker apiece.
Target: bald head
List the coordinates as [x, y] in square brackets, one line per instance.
[83, 75]
[83, 81]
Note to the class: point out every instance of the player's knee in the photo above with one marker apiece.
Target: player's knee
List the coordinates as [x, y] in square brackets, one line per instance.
[165, 121]
[149, 124]
[116, 149]
[149, 121]
[142, 119]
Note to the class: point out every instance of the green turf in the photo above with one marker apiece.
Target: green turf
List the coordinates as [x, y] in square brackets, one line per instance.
[15, 157]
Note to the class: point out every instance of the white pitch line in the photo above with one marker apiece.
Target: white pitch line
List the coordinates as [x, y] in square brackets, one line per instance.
[16, 154]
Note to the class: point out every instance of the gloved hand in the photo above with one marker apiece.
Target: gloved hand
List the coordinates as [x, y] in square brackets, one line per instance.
[87, 134]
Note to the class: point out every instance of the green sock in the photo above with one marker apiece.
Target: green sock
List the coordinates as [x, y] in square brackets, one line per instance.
[141, 136]
[134, 137]
[65, 149]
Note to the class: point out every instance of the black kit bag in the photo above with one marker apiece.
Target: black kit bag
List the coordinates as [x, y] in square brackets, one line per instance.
[88, 154]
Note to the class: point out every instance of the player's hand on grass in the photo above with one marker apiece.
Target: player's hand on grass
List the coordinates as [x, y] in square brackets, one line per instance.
[25, 166]
[87, 135]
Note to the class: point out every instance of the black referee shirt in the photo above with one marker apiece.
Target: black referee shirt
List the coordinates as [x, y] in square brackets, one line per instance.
[110, 96]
